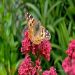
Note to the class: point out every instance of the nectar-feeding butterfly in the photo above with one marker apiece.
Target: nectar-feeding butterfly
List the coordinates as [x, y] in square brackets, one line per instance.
[36, 32]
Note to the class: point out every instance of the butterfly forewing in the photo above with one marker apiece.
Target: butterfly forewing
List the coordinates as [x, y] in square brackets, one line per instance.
[28, 16]
[36, 31]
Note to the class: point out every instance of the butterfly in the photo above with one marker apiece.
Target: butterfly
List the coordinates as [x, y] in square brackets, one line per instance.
[36, 31]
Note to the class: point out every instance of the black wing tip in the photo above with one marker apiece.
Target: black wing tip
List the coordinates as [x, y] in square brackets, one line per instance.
[28, 16]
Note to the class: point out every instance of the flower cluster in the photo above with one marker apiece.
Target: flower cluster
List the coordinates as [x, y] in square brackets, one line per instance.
[51, 71]
[26, 44]
[71, 49]
[69, 62]
[28, 67]
[44, 48]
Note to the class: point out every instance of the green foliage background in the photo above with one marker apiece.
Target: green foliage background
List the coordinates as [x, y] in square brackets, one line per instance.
[58, 16]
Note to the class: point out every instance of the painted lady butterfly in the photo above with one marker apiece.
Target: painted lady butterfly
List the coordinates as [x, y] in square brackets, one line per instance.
[36, 31]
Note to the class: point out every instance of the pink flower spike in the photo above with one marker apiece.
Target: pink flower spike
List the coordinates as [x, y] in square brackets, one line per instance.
[34, 49]
[26, 45]
[46, 72]
[52, 71]
[71, 49]
[66, 64]
[26, 33]
[25, 66]
[45, 49]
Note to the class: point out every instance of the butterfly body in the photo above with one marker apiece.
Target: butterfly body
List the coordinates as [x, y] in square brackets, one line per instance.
[36, 31]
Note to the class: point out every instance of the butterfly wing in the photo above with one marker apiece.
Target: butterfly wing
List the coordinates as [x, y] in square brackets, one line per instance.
[47, 35]
[35, 30]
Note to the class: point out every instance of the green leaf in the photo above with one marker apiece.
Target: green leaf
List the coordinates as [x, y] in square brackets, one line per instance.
[58, 21]
[63, 35]
[15, 67]
[2, 70]
[70, 2]
[69, 27]
[71, 10]
[56, 46]
[50, 28]
[46, 8]
[1, 8]
[53, 6]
